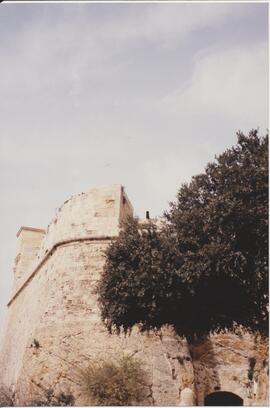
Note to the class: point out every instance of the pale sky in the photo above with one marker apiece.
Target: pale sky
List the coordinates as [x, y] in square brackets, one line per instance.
[138, 94]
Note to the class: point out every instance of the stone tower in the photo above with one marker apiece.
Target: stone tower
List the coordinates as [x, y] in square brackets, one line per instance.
[53, 326]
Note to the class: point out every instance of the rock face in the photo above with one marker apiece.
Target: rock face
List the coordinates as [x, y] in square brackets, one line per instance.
[231, 362]
[54, 328]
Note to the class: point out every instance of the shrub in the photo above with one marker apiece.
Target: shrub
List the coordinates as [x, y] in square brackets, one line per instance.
[6, 397]
[115, 383]
[51, 400]
[36, 343]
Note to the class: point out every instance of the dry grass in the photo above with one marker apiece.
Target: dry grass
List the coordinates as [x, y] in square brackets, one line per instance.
[6, 397]
[49, 399]
[119, 383]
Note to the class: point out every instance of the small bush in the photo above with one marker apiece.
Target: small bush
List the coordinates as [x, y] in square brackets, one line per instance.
[51, 400]
[115, 383]
[6, 397]
[36, 343]
[252, 362]
[180, 360]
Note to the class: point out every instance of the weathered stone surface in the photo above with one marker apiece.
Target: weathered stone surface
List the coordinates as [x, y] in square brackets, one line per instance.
[222, 363]
[54, 327]
[187, 397]
[28, 245]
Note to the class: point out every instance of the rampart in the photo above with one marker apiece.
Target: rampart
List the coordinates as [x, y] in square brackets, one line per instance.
[54, 327]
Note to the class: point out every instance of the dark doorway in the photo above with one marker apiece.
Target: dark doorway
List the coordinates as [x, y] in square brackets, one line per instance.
[223, 398]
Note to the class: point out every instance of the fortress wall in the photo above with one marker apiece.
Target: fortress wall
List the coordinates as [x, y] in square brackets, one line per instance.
[222, 363]
[28, 245]
[65, 322]
[96, 212]
[92, 214]
[23, 315]
[54, 327]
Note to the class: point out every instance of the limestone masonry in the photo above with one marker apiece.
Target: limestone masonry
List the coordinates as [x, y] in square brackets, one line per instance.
[54, 326]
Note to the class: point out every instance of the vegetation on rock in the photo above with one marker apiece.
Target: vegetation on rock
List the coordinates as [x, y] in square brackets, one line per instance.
[50, 399]
[206, 268]
[7, 398]
[115, 383]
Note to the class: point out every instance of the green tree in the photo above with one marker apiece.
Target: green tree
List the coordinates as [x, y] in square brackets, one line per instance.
[206, 268]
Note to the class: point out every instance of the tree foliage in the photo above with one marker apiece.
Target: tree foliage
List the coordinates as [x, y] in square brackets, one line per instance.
[206, 268]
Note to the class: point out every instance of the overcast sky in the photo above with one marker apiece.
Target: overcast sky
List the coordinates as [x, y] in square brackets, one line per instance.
[138, 94]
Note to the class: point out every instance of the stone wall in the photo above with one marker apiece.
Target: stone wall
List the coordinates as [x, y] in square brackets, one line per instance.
[28, 245]
[54, 327]
[224, 362]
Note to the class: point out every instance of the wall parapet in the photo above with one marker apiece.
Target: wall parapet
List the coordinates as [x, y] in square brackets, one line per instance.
[33, 229]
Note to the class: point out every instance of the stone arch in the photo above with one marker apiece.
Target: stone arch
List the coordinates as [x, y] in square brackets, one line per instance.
[223, 398]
